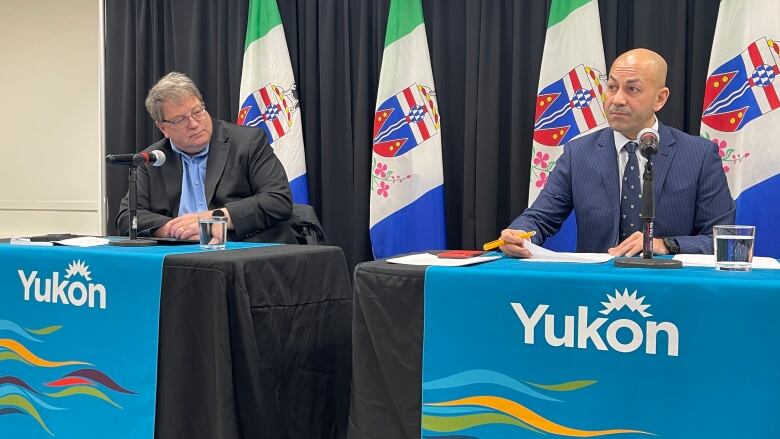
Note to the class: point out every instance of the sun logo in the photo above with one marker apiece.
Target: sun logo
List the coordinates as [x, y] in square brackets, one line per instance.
[620, 300]
[78, 267]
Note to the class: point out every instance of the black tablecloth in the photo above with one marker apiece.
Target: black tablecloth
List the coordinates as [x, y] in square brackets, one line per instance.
[255, 343]
[387, 333]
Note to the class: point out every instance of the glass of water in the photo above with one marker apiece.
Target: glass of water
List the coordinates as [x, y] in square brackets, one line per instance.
[213, 232]
[734, 247]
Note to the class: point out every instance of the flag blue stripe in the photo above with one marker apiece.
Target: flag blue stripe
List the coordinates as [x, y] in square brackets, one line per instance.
[300, 189]
[417, 226]
[566, 238]
[755, 208]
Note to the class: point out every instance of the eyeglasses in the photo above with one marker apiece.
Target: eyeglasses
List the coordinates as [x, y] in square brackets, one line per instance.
[198, 114]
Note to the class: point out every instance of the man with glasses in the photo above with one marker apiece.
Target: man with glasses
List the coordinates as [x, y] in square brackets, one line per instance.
[211, 165]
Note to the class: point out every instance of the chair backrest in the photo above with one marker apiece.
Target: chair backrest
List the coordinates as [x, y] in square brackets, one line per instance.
[306, 226]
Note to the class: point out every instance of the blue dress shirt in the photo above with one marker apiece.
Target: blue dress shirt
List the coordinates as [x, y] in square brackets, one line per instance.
[193, 181]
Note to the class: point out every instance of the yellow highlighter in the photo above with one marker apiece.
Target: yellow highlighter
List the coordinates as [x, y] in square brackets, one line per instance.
[499, 242]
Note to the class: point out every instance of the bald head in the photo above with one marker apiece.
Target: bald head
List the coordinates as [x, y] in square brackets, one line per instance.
[646, 61]
[636, 90]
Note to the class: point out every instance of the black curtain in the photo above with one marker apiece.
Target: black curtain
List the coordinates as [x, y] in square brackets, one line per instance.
[485, 54]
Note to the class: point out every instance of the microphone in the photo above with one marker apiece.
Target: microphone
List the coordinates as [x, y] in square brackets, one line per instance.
[154, 158]
[648, 142]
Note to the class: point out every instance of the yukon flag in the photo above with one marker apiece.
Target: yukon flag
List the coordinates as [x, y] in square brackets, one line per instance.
[407, 182]
[742, 113]
[571, 94]
[268, 98]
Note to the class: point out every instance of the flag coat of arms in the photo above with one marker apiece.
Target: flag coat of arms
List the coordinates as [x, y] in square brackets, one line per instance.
[570, 100]
[741, 113]
[268, 92]
[407, 180]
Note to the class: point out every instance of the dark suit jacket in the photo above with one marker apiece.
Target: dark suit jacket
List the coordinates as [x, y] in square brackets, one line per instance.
[691, 192]
[242, 174]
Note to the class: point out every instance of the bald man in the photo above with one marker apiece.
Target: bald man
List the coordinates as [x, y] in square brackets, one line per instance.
[596, 173]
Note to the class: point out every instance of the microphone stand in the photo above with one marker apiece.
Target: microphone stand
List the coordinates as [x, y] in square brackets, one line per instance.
[648, 215]
[648, 211]
[132, 204]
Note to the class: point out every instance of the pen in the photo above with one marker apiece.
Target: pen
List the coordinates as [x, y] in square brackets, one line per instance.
[499, 242]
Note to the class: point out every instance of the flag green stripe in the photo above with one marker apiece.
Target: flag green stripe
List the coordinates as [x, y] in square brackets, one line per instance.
[404, 16]
[263, 16]
[560, 9]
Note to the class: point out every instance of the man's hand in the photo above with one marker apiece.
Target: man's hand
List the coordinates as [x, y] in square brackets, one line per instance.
[633, 245]
[514, 246]
[163, 231]
[185, 226]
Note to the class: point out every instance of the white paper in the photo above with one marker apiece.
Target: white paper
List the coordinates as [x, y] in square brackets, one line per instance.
[430, 259]
[83, 241]
[541, 254]
[26, 241]
[709, 261]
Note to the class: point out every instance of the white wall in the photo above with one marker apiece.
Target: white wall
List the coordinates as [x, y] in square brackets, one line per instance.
[51, 168]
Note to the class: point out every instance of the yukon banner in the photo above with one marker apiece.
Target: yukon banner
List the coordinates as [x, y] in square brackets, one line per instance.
[521, 349]
[78, 341]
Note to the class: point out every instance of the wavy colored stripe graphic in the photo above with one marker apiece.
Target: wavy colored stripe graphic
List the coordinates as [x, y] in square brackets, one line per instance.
[482, 376]
[18, 397]
[531, 418]
[7, 325]
[447, 424]
[8, 355]
[17, 382]
[83, 390]
[31, 358]
[564, 387]
[70, 381]
[12, 390]
[450, 437]
[99, 377]
[23, 404]
[46, 331]
[9, 411]
[455, 410]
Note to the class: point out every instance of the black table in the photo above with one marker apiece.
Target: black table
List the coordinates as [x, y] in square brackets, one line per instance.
[255, 343]
[387, 333]
[727, 320]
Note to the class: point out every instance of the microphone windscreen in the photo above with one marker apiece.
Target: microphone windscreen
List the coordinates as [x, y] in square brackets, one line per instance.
[159, 157]
[648, 141]
[647, 135]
